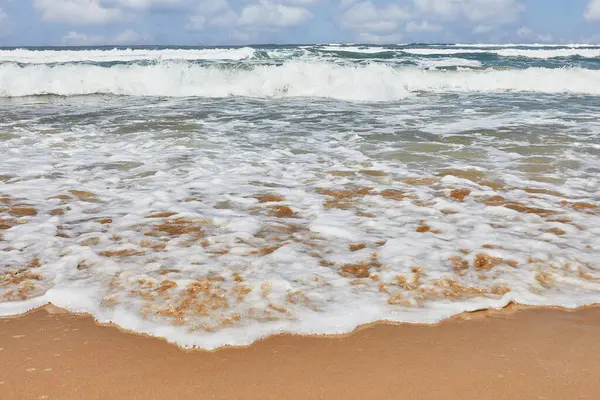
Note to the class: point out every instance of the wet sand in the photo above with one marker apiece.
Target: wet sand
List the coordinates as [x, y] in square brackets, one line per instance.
[509, 354]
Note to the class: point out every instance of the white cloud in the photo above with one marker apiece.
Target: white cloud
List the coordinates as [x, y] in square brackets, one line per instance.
[592, 11]
[97, 12]
[129, 36]
[547, 38]
[264, 15]
[212, 7]
[77, 12]
[347, 3]
[529, 35]
[442, 8]
[302, 2]
[74, 38]
[367, 17]
[196, 23]
[492, 11]
[423, 26]
[141, 4]
[379, 39]
[225, 19]
[268, 14]
[211, 13]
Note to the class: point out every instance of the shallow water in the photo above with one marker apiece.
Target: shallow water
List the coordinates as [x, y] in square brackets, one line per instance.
[214, 197]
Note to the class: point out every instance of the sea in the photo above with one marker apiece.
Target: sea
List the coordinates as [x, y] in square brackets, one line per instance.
[218, 196]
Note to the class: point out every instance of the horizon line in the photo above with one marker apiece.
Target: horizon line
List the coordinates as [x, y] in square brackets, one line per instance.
[139, 45]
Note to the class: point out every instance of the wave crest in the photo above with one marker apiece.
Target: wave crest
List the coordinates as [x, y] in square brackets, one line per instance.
[27, 56]
[372, 82]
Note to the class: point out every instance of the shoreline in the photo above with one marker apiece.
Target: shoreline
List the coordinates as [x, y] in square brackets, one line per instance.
[509, 309]
[517, 352]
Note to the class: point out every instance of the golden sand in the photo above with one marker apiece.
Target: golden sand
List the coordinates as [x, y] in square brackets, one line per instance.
[510, 354]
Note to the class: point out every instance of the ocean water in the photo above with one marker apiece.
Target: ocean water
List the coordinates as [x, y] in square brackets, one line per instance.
[216, 196]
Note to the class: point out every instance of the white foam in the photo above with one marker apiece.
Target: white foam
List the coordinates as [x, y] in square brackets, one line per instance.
[357, 49]
[527, 53]
[499, 45]
[207, 160]
[250, 151]
[26, 56]
[504, 50]
[447, 62]
[374, 82]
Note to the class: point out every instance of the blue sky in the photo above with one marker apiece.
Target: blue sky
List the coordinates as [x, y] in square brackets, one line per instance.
[215, 22]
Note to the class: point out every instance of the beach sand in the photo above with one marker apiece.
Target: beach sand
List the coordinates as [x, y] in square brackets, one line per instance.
[510, 354]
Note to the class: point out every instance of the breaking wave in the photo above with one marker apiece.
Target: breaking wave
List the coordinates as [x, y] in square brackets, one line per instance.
[511, 52]
[370, 82]
[26, 56]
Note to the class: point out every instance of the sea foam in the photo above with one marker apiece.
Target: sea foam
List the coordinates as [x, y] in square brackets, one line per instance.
[230, 197]
[373, 82]
[27, 56]
[512, 52]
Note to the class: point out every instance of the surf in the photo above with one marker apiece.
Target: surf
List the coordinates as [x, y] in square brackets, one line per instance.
[371, 82]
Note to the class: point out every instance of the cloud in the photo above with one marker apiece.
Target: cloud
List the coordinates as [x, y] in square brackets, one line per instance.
[493, 11]
[268, 14]
[592, 11]
[142, 4]
[422, 26]
[531, 36]
[425, 16]
[379, 39]
[302, 2]
[77, 12]
[73, 38]
[346, 3]
[129, 37]
[264, 15]
[95, 12]
[366, 17]
[212, 7]
[496, 12]
[210, 21]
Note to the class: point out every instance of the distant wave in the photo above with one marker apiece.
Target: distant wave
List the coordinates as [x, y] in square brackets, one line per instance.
[26, 56]
[502, 50]
[356, 49]
[447, 62]
[549, 45]
[370, 82]
[510, 52]
[302, 53]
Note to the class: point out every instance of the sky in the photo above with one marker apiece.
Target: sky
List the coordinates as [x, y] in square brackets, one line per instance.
[238, 22]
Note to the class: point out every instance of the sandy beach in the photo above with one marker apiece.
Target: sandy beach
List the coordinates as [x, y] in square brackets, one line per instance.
[204, 195]
[515, 353]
